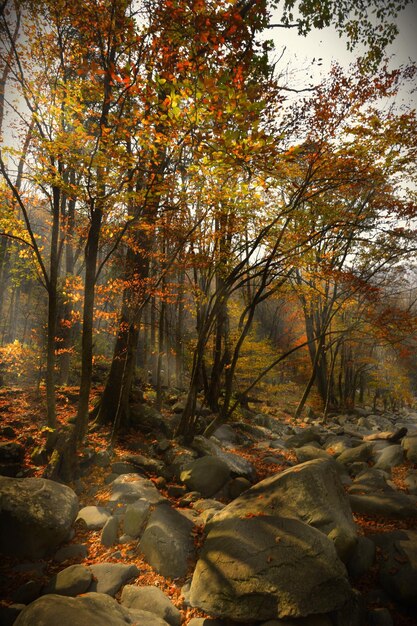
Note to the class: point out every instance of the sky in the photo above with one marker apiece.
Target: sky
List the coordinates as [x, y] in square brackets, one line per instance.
[326, 44]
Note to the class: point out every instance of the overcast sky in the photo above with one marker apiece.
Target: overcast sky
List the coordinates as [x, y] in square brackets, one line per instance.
[326, 44]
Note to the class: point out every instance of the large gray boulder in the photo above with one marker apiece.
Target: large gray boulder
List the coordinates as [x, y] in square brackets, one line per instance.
[108, 578]
[237, 465]
[410, 446]
[151, 599]
[263, 567]
[311, 492]
[167, 542]
[36, 515]
[398, 568]
[91, 608]
[128, 488]
[71, 581]
[206, 475]
[370, 494]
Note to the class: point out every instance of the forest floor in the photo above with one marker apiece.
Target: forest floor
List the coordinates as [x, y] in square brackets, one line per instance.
[24, 410]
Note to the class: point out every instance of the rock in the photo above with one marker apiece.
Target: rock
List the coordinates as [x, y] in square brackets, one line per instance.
[109, 577]
[204, 621]
[167, 543]
[135, 518]
[151, 599]
[389, 435]
[128, 488]
[110, 532]
[91, 608]
[72, 551]
[390, 457]
[305, 436]
[11, 458]
[226, 434]
[28, 592]
[71, 581]
[146, 618]
[144, 464]
[309, 452]
[237, 465]
[398, 567]
[206, 475]
[148, 420]
[265, 567]
[122, 467]
[380, 617]
[311, 492]
[362, 452]
[93, 517]
[36, 515]
[370, 494]
[411, 482]
[410, 446]
[363, 557]
[237, 486]
[103, 458]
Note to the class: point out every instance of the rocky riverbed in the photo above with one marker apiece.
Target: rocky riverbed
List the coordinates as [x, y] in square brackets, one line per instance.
[198, 535]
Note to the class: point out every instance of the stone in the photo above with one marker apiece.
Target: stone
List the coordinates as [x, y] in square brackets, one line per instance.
[204, 621]
[135, 518]
[309, 452]
[71, 581]
[145, 618]
[36, 516]
[398, 568]
[151, 599]
[110, 532]
[363, 557]
[91, 608]
[167, 543]
[9, 614]
[28, 592]
[311, 492]
[411, 482]
[122, 467]
[237, 486]
[362, 452]
[380, 617]
[409, 444]
[206, 475]
[93, 517]
[128, 488]
[392, 505]
[226, 434]
[237, 465]
[109, 577]
[263, 567]
[143, 464]
[11, 458]
[390, 457]
[305, 436]
[71, 551]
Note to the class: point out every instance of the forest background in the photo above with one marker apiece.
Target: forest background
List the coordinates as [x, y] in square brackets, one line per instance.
[178, 211]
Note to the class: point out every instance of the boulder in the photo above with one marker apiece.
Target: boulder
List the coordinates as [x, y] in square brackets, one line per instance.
[363, 557]
[128, 488]
[370, 494]
[36, 515]
[410, 446]
[304, 437]
[362, 452]
[91, 608]
[206, 475]
[145, 618]
[71, 551]
[93, 517]
[263, 567]
[109, 577]
[390, 457]
[110, 533]
[11, 458]
[238, 466]
[135, 518]
[71, 581]
[167, 542]
[398, 567]
[151, 599]
[309, 452]
[311, 492]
